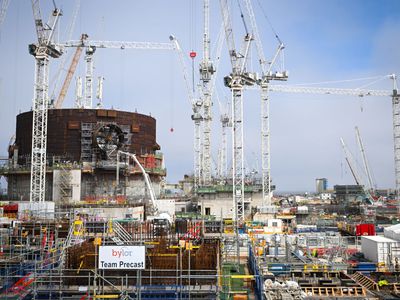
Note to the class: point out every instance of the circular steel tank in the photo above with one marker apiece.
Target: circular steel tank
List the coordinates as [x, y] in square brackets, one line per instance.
[80, 135]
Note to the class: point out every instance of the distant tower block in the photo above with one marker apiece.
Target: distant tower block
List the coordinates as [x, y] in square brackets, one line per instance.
[321, 184]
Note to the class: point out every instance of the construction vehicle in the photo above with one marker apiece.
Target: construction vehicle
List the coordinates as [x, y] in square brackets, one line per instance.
[153, 210]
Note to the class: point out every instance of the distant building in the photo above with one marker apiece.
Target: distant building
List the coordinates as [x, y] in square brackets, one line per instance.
[321, 185]
[349, 193]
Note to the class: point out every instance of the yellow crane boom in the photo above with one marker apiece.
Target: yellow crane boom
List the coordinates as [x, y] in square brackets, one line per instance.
[70, 74]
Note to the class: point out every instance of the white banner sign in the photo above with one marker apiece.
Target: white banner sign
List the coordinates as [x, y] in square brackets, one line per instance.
[122, 257]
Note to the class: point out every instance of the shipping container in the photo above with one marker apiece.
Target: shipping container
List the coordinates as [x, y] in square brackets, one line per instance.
[378, 249]
[365, 229]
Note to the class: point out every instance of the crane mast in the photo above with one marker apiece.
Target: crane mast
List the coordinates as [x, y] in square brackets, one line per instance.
[235, 82]
[61, 66]
[225, 122]
[196, 116]
[99, 91]
[42, 51]
[88, 86]
[91, 46]
[78, 92]
[224, 117]
[206, 72]
[396, 137]
[267, 75]
[70, 73]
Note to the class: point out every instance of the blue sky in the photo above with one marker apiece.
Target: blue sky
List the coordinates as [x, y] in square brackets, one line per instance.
[325, 41]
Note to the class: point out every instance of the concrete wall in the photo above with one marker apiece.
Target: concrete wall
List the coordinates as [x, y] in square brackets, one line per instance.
[137, 188]
[221, 204]
[217, 207]
[257, 199]
[19, 186]
[105, 184]
[167, 206]
[182, 206]
[104, 213]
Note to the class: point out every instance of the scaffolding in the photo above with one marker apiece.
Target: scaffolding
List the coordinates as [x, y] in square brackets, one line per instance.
[50, 259]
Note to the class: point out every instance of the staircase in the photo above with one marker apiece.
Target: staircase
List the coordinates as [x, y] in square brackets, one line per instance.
[365, 281]
[121, 236]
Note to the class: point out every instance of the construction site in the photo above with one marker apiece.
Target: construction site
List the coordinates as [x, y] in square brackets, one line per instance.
[87, 212]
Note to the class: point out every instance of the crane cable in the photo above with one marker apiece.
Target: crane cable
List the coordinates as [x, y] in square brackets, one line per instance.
[269, 22]
[242, 17]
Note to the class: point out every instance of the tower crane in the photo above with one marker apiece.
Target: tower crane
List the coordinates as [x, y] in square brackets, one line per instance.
[222, 164]
[224, 116]
[236, 81]
[92, 45]
[361, 93]
[60, 99]
[197, 117]
[206, 71]
[88, 90]
[267, 76]
[43, 50]
[69, 32]
[201, 105]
